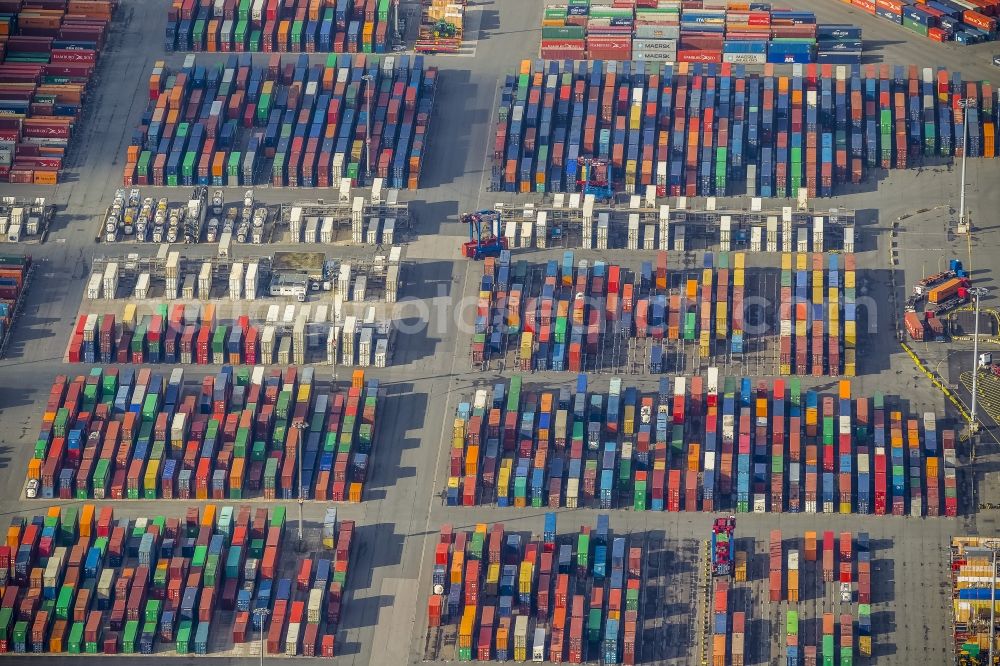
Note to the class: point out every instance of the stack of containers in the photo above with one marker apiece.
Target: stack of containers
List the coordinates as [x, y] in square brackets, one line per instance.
[125, 585]
[932, 475]
[193, 334]
[241, 434]
[669, 31]
[48, 52]
[950, 470]
[289, 123]
[558, 598]
[915, 467]
[15, 272]
[846, 639]
[864, 595]
[897, 461]
[818, 128]
[738, 639]
[881, 461]
[775, 570]
[554, 447]
[960, 21]
[535, 316]
[827, 646]
[795, 467]
[319, 26]
[862, 438]
[720, 622]
[839, 44]
[973, 583]
[846, 566]
[777, 457]
[792, 637]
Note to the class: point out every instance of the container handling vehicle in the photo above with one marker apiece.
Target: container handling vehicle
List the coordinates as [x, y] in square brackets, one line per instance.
[484, 235]
[722, 546]
[595, 178]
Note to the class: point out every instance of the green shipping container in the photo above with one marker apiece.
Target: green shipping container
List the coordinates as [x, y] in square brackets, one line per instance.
[74, 645]
[184, 637]
[129, 636]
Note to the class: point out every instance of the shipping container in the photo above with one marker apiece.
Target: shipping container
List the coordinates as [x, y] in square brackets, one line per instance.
[48, 56]
[761, 447]
[560, 596]
[286, 27]
[698, 126]
[262, 433]
[287, 123]
[164, 580]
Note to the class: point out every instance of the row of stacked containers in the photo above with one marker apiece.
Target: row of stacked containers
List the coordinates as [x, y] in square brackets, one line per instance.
[569, 598]
[290, 26]
[286, 122]
[48, 54]
[130, 434]
[76, 580]
[15, 272]
[959, 21]
[697, 130]
[695, 445]
[538, 311]
[700, 31]
[830, 566]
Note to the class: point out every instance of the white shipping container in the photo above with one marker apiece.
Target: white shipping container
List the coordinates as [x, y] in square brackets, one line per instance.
[382, 353]
[142, 287]
[94, 286]
[360, 286]
[292, 639]
[236, 281]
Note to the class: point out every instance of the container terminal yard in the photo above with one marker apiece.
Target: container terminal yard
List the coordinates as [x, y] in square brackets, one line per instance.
[625, 431]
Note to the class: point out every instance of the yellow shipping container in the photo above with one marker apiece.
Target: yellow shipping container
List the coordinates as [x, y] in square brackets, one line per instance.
[801, 261]
[833, 294]
[738, 259]
[706, 277]
[738, 278]
[525, 578]
[628, 426]
[786, 261]
[493, 573]
[305, 390]
[152, 474]
[833, 329]
[800, 328]
[128, 317]
[849, 279]
[457, 567]
[785, 369]
[850, 333]
[466, 627]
